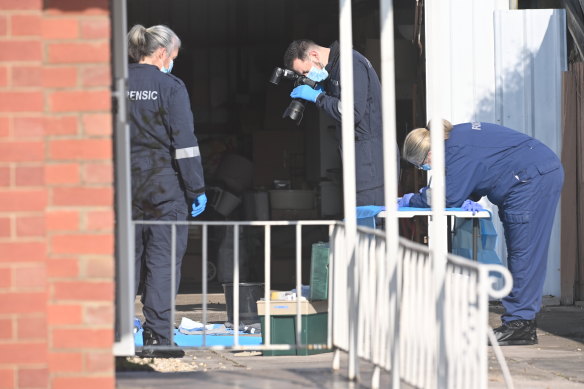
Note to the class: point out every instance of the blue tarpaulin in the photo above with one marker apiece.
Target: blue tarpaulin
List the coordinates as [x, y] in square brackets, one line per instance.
[462, 240]
[215, 339]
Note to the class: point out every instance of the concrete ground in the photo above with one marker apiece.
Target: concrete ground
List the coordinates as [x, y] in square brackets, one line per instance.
[557, 362]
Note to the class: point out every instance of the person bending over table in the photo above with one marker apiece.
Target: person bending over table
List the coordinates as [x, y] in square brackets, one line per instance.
[520, 175]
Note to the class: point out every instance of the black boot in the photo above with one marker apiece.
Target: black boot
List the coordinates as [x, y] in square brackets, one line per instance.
[151, 340]
[516, 332]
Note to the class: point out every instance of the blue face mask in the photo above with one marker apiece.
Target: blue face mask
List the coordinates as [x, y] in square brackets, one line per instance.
[317, 75]
[165, 70]
[426, 167]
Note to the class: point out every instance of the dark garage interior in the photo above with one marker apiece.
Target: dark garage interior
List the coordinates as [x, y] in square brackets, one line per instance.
[229, 49]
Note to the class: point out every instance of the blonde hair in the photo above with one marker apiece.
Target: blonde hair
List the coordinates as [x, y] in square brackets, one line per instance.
[417, 142]
[142, 41]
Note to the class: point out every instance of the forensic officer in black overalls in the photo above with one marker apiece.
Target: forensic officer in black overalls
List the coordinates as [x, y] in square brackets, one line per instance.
[322, 65]
[167, 175]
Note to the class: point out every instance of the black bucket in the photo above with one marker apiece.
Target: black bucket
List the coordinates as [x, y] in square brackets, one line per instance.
[249, 294]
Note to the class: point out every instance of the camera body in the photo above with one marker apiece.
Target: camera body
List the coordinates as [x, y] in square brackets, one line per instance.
[295, 109]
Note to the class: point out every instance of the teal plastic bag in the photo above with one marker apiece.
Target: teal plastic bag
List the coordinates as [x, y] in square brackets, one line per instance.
[462, 240]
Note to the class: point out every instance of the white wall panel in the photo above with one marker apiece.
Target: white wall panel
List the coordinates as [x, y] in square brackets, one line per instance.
[465, 77]
[464, 84]
[530, 56]
[500, 66]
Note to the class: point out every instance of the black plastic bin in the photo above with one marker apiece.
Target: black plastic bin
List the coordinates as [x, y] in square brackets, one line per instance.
[249, 294]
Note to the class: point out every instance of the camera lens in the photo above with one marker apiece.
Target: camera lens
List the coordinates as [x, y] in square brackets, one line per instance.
[294, 111]
[276, 76]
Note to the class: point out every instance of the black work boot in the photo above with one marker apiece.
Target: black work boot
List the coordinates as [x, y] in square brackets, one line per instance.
[151, 340]
[516, 332]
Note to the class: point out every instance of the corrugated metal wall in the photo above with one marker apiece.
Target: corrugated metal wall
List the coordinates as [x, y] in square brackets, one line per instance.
[530, 56]
[504, 67]
[468, 56]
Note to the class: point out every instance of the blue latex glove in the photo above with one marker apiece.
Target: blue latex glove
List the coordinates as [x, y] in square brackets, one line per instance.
[199, 205]
[471, 206]
[405, 200]
[305, 92]
[137, 325]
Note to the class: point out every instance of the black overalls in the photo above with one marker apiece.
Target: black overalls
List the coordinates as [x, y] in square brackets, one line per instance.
[166, 177]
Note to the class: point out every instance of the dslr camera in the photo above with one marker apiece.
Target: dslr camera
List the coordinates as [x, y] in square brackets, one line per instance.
[295, 109]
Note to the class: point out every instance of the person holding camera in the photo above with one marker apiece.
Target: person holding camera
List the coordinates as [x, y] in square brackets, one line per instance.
[167, 174]
[322, 65]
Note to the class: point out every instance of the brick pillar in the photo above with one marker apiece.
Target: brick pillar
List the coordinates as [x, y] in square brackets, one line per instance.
[23, 200]
[56, 195]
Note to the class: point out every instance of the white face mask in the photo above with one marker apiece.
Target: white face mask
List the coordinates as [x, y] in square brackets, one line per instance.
[316, 74]
[167, 70]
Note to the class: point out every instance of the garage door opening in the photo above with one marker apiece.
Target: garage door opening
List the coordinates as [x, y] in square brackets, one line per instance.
[229, 50]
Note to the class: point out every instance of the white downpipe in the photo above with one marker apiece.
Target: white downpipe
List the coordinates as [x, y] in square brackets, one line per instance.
[390, 174]
[438, 246]
[348, 157]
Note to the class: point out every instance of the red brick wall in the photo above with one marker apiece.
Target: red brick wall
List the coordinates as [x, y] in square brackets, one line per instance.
[56, 195]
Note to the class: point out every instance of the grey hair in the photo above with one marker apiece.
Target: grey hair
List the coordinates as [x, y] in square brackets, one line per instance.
[417, 142]
[142, 41]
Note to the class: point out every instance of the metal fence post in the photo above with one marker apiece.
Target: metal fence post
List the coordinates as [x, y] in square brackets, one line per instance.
[124, 233]
[349, 180]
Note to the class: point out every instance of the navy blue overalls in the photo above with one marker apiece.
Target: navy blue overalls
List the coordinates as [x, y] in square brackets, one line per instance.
[167, 175]
[524, 178]
[368, 123]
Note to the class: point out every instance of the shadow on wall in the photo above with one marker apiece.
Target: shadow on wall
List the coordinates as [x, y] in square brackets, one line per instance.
[527, 98]
[511, 85]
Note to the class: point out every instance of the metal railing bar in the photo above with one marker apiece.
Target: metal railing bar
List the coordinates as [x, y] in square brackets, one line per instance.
[501, 359]
[172, 280]
[267, 285]
[238, 347]
[241, 223]
[298, 284]
[236, 285]
[331, 259]
[394, 337]
[349, 176]
[205, 255]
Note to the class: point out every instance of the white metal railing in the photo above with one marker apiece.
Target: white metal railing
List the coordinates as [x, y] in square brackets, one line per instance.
[335, 240]
[398, 309]
[392, 306]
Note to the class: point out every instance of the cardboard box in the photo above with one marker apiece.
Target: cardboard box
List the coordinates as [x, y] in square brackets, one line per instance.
[314, 322]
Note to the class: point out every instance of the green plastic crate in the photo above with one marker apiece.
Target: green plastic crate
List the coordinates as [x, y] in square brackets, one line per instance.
[319, 265]
[314, 320]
